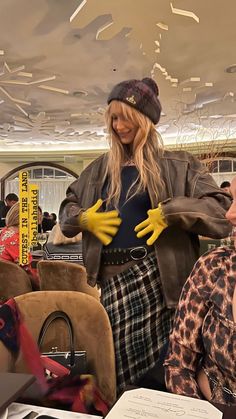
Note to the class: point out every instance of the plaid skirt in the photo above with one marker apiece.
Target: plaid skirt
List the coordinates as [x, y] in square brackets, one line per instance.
[140, 320]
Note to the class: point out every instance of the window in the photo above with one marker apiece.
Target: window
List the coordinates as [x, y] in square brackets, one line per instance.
[37, 173]
[52, 184]
[222, 166]
[225, 166]
[60, 174]
[47, 173]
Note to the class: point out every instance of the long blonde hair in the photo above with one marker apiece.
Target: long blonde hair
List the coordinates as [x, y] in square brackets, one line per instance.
[147, 145]
[13, 216]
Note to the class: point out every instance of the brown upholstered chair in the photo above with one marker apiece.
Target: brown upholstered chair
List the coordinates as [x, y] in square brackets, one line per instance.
[13, 280]
[64, 276]
[92, 332]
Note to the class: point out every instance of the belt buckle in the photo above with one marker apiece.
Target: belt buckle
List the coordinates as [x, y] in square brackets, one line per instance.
[139, 248]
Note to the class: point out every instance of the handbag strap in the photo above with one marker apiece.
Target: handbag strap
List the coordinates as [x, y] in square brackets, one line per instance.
[48, 321]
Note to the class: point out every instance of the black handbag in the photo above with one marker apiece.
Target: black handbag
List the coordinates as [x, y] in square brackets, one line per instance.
[75, 361]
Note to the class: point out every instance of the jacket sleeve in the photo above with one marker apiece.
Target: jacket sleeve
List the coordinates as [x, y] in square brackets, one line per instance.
[202, 210]
[186, 345]
[70, 210]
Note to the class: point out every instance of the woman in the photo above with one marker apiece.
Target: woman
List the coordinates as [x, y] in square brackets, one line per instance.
[140, 209]
[202, 351]
[9, 243]
[47, 222]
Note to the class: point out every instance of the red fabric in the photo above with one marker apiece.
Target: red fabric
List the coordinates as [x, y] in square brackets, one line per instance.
[15, 336]
[9, 250]
[9, 319]
[9, 244]
[28, 346]
[32, 356]
[78, 393]
[87, 395]
[54, 367]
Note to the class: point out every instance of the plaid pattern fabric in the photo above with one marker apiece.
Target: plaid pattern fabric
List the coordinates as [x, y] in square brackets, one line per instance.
[141, 95]
[140, 320]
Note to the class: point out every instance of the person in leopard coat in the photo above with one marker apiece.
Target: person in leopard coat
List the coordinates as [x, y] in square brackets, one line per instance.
[202, 350]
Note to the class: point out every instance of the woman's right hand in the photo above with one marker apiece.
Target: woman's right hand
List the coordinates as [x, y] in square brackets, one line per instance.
[104, 225]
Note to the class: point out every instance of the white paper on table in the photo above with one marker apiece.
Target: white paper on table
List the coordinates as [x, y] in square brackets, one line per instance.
[152, 404]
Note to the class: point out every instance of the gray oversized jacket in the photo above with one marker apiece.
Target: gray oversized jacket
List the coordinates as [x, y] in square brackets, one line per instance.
[192, 203]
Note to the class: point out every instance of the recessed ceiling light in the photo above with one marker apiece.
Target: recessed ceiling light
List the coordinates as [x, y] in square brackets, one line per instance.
[231, 69]
[79, 93]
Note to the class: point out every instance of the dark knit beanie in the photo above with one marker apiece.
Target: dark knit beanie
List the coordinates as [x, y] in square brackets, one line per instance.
[141, 95]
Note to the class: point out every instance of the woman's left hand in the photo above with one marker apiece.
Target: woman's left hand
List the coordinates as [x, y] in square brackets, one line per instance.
[155, 224]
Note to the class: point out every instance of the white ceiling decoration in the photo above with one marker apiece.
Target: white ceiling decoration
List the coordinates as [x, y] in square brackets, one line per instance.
[60, 59]
[15, 77]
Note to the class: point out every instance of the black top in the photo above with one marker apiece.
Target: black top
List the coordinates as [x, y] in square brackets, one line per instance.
[47, 224]
[132, 211]
[4, 211]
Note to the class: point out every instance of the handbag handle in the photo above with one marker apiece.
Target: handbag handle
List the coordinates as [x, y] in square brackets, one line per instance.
[48, 321]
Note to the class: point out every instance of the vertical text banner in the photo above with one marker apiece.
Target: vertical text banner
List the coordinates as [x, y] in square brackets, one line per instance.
[24, 219]
[33, 215]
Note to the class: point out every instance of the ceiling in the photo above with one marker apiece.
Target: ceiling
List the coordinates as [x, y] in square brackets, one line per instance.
[59, 60]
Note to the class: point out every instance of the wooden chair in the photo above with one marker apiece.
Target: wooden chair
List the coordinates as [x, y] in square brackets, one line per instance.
[13, 280]
[64, 276]
[92, 333]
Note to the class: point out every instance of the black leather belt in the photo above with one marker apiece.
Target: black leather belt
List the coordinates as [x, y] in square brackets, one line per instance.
[118, 256]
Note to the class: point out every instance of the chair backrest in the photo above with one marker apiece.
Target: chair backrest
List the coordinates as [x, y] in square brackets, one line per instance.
[64, 276]
[92, 333]
[13, 280]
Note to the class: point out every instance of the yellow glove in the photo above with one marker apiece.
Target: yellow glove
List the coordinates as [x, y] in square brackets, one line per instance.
[104, 225]
[154, 223]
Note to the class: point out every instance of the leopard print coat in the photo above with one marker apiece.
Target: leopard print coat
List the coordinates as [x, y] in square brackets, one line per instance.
[204, 331]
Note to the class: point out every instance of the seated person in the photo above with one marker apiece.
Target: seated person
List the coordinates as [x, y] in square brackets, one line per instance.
[60, 247]
[202, 351]
[47, 222]
[9, 243]
[10, 200]
[225, 186]
[53, 217]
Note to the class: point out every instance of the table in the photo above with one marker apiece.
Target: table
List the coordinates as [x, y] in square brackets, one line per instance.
[12, 386]
[229, 412]
[19, 410]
